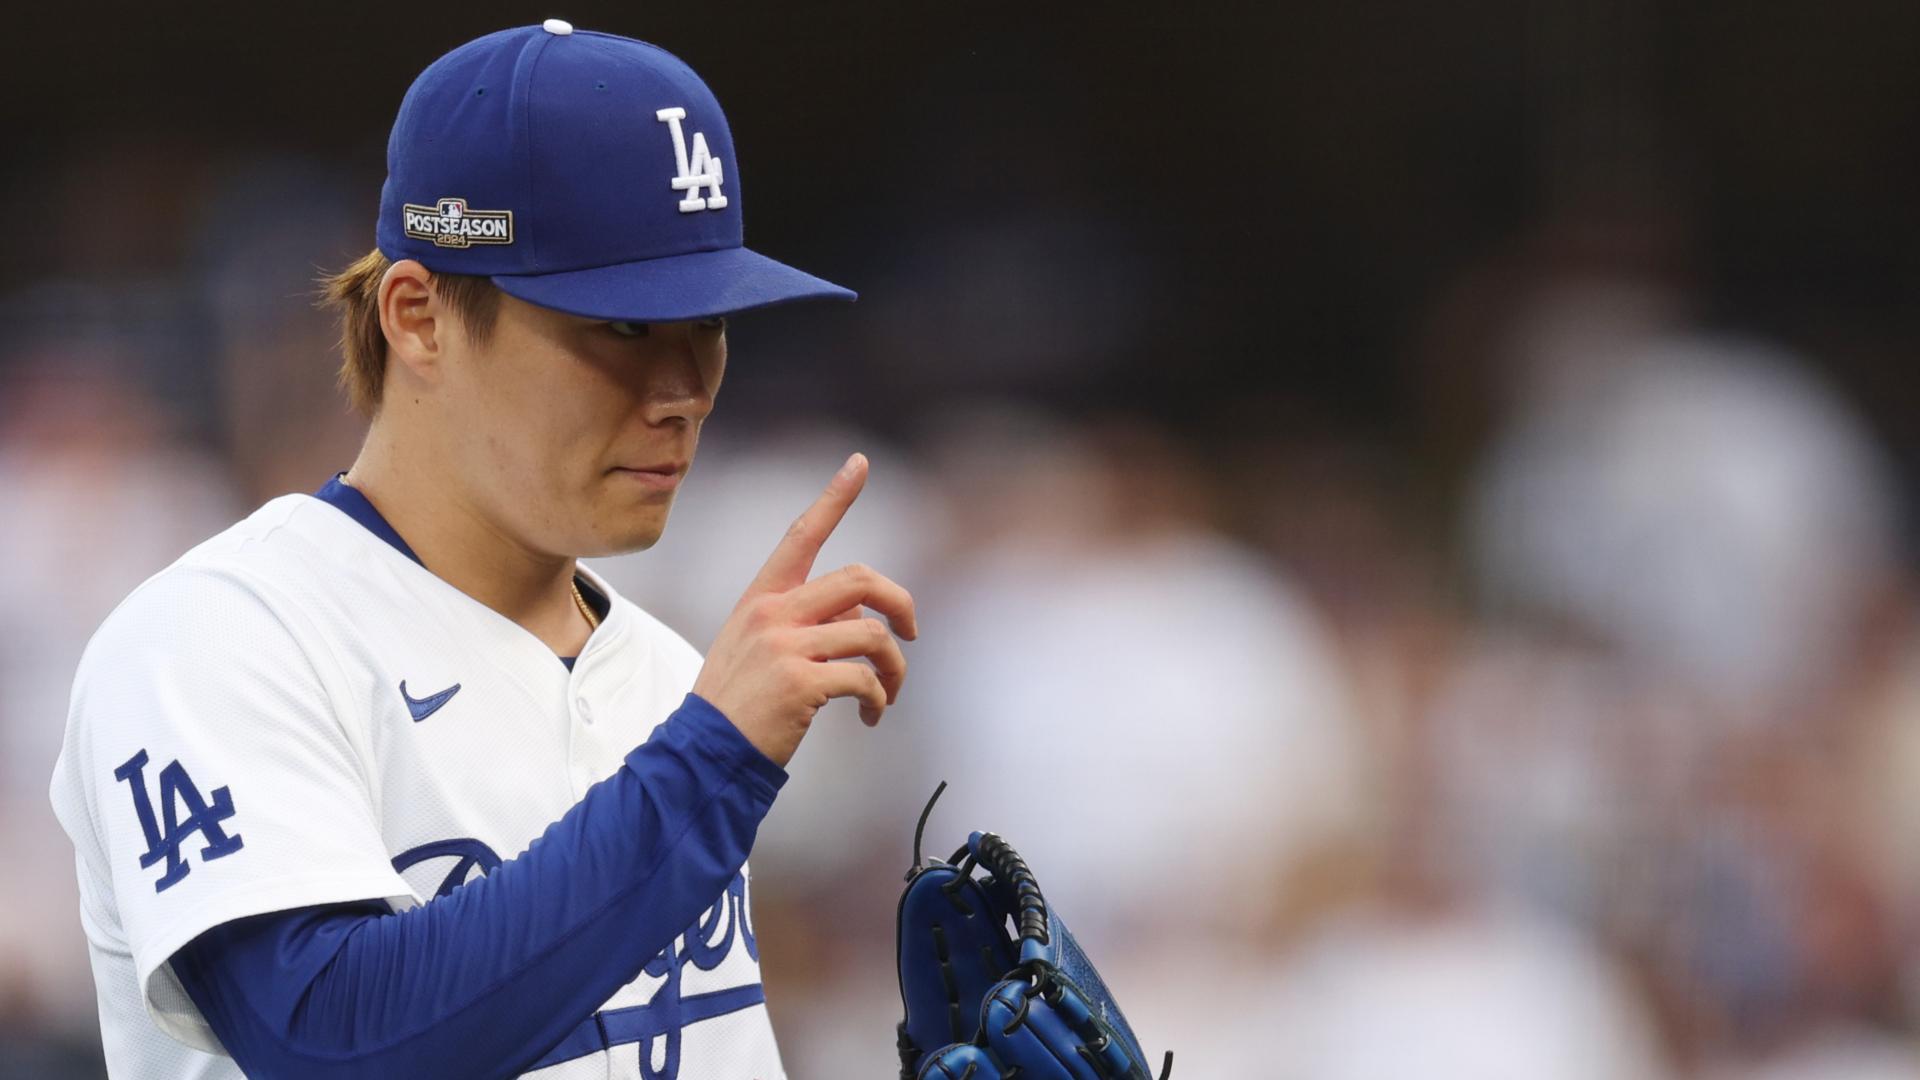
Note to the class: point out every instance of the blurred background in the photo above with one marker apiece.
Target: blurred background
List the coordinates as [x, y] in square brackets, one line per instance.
[1410, 503]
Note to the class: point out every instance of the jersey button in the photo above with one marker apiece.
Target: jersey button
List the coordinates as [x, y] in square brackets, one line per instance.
[584, 708]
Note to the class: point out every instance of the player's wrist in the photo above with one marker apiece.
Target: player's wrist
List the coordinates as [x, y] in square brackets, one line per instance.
[705, 728]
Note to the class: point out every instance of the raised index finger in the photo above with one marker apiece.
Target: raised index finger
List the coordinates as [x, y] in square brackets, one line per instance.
[792, 558]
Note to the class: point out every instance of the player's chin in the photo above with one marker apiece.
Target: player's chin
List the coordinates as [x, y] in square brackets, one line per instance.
[624, 516]
[625, 532]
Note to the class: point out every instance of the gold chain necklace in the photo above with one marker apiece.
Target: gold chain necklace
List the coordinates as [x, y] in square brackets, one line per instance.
[586, 610]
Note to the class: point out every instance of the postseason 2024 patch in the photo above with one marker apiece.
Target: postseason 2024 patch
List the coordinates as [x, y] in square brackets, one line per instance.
[450, 223]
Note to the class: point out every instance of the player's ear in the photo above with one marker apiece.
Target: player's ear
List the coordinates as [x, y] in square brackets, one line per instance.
[409, 318]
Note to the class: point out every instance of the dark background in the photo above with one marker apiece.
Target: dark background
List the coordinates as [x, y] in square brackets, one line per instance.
[1264, 202]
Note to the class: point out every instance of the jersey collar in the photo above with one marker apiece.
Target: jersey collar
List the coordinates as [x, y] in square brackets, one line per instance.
[349, 500]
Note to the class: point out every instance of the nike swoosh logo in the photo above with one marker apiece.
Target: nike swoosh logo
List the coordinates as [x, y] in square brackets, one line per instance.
[421, 708]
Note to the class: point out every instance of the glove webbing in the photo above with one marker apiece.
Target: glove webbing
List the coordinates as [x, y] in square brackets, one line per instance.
[959, 1023]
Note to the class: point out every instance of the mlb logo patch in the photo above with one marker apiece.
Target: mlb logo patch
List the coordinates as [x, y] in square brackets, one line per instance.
[449, 223]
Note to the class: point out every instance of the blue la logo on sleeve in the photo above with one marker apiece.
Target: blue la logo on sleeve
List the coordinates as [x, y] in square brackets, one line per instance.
[177, 791]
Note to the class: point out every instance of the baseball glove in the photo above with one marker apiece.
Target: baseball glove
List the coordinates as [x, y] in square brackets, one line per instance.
[983, 1004]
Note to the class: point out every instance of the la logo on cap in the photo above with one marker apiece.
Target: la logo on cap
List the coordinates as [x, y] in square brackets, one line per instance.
[701, 171]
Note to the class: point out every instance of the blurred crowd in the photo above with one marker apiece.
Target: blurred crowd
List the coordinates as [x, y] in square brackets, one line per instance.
[1585, 746]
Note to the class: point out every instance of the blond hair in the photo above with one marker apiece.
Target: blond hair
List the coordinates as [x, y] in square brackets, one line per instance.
[355, 293]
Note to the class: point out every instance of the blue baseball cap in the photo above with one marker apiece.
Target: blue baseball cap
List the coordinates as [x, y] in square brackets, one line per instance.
[584, 172]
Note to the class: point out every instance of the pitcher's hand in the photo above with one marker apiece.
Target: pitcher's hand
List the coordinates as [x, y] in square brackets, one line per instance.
[790, 646]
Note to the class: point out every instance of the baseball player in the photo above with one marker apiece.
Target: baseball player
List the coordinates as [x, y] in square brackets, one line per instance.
[379, 781]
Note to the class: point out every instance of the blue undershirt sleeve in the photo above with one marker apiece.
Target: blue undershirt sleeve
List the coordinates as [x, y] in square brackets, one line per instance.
[484, 981]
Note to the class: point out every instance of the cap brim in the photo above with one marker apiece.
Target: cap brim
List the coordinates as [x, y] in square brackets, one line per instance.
[675, 288]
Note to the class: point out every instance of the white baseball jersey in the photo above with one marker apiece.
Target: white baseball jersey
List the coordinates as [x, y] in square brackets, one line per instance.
[297, 713]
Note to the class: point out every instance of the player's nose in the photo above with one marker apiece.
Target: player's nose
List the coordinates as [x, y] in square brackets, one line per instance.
[677, 381]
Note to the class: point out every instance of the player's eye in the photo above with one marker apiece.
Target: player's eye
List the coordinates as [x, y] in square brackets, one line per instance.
[628, 329]
[718, 322]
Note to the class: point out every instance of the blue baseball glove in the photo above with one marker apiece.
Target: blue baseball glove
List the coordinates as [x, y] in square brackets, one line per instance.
[983, 1004]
